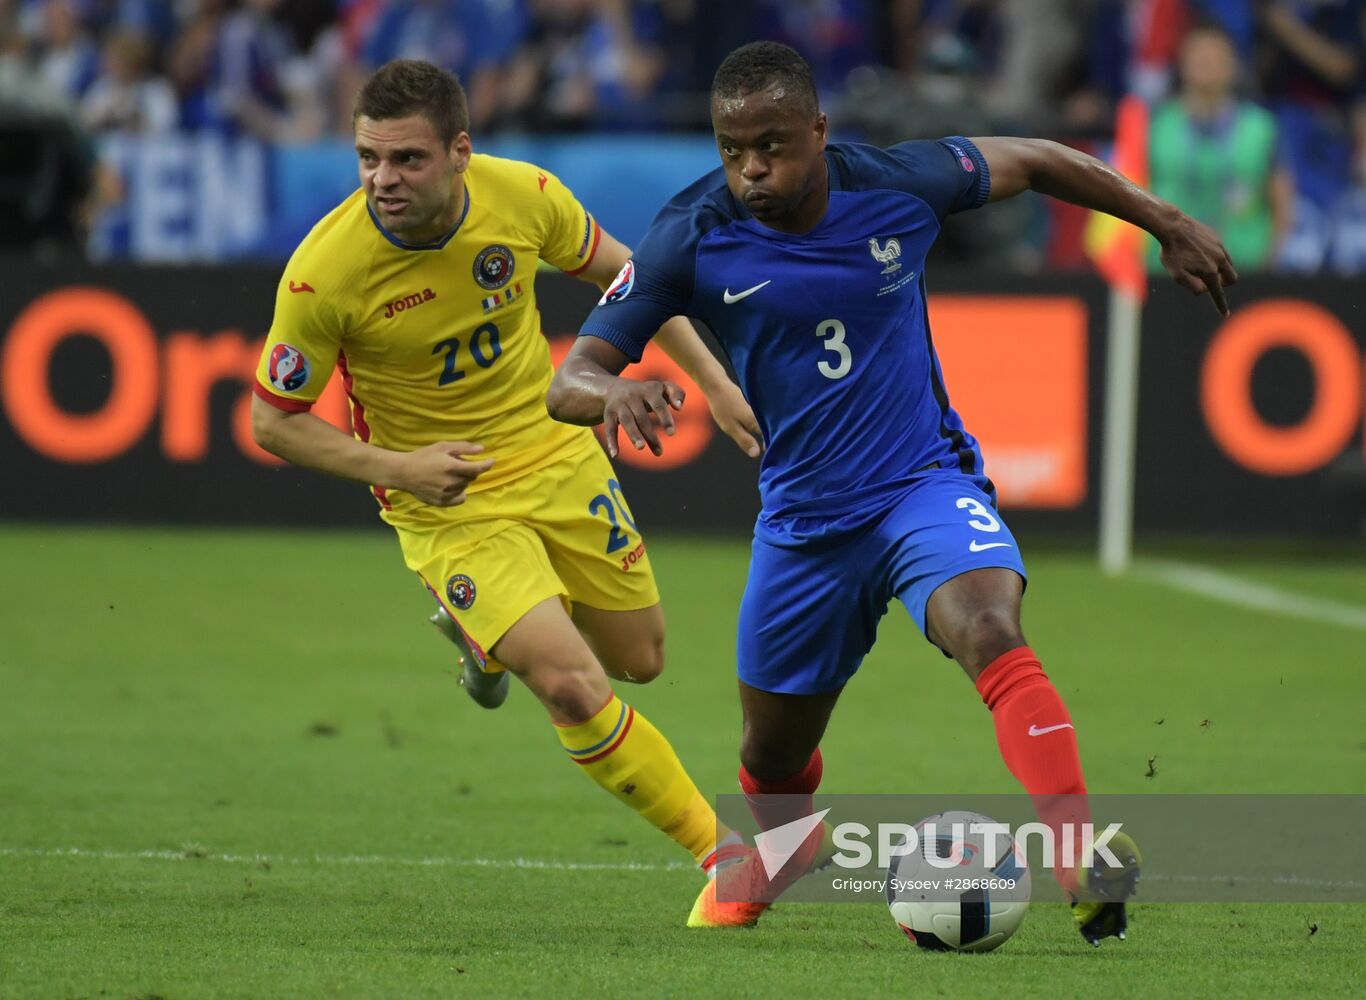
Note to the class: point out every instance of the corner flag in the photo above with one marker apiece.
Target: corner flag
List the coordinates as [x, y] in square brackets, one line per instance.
[1117, 249]
[1115, 246]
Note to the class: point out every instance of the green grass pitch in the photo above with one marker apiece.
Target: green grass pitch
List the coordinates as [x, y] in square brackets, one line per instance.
[238, 765]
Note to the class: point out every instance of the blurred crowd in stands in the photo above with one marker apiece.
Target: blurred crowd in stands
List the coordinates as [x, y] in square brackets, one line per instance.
[1259, 106]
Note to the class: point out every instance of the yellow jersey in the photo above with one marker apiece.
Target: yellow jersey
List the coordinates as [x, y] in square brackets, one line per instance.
[438, 342]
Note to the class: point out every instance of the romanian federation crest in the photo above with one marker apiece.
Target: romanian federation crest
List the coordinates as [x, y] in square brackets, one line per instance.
[460, 590]
[493, 266]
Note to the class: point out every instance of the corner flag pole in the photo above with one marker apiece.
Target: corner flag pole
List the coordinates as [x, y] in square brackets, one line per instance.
[1120, 431]
[1117, 249]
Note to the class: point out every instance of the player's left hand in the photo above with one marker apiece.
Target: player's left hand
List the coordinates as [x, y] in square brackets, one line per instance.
[638, 407]
[1195, 257]
[732, 414]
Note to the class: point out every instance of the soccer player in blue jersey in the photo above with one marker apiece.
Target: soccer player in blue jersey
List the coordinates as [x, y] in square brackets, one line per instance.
[807, 261]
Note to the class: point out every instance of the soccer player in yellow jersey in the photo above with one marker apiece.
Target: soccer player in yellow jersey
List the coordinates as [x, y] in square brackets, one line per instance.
[420, 288]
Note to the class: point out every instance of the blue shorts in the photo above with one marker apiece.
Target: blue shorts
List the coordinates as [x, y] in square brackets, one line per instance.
[810, 611]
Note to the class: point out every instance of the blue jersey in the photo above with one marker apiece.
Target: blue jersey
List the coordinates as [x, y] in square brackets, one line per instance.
[827, 331]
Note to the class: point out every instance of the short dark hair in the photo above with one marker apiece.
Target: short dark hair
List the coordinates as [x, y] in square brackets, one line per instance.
[758, 66]
[403, 87]
[1209, 26]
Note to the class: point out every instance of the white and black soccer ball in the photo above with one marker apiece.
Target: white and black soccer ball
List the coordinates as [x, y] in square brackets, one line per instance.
[974, 902]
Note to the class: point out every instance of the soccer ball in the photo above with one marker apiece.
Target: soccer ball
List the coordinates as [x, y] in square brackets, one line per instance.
[968, 901]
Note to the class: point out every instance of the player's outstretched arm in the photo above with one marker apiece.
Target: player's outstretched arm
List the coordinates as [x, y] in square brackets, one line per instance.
[588, 389]
[680, 342]
[729, 408]
[437, 474]
[1192, 252]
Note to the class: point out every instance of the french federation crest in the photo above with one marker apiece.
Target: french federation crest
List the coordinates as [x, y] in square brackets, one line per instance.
[460, 590]
[493, 266]
[888, 256]
[287, 368]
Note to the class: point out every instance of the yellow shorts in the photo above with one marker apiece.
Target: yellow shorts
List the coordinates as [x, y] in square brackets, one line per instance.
[564, 531]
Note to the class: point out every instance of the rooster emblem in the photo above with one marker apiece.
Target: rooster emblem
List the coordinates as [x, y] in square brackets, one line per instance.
[887, 256]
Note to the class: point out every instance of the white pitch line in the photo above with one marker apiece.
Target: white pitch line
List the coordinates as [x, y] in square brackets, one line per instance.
[1242, 593]
[1230, 880]
[191, 853]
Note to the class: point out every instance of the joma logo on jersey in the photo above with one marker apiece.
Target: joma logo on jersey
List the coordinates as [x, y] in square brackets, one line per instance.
[633, 557]
[886, 256]
[408, 302]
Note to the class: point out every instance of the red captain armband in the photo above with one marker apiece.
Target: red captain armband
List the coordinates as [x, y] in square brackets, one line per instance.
[281, 402]
[592, 237]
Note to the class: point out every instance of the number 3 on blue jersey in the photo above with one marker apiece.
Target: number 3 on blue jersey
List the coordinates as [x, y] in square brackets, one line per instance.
[834, 330]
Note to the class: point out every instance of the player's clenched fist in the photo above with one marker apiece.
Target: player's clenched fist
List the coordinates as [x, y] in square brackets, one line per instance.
[635, 406]
[439, 473]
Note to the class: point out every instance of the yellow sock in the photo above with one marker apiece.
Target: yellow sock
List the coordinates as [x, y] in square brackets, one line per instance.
[620, 750]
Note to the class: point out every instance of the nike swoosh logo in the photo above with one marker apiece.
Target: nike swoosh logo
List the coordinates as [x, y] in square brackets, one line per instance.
[302, 286]
[976, 546]
[1037, 731]
[732, 299]
[776, 846]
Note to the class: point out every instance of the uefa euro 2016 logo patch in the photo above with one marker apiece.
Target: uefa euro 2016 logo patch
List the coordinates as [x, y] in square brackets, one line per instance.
[621, 285]
[493, 266]
[288, 368]
[460, 590]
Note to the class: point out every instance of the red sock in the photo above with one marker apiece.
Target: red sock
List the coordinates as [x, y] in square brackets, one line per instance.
[779, 801]
[1037, 740]
[776, 812]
